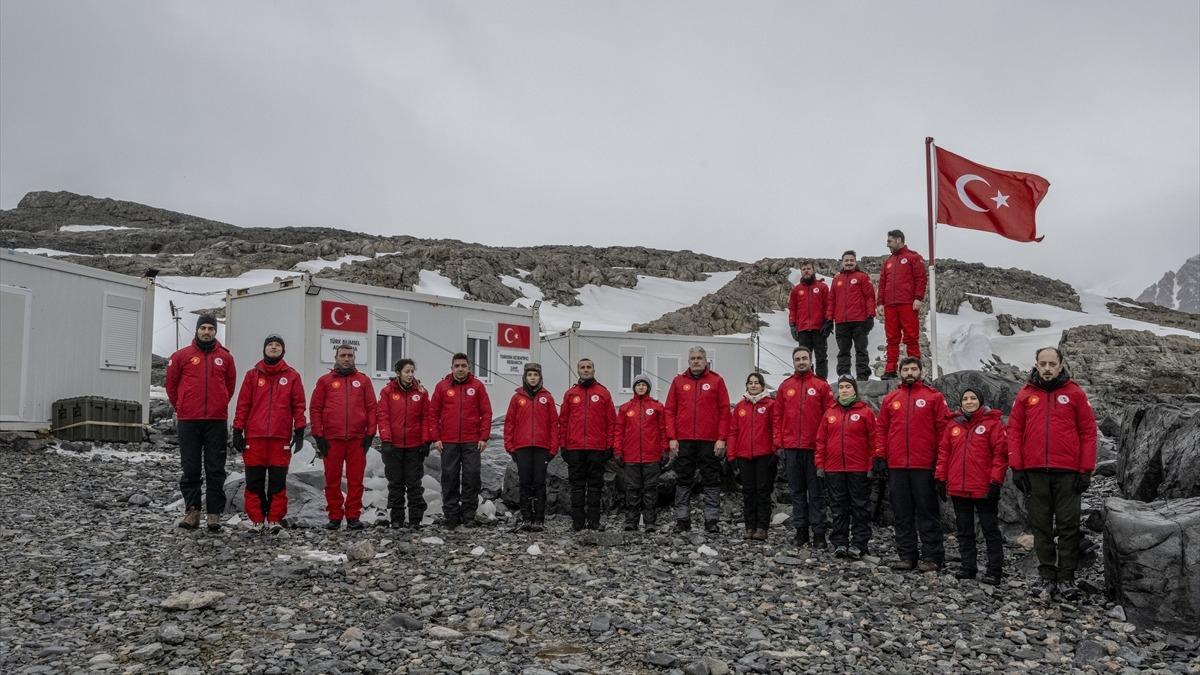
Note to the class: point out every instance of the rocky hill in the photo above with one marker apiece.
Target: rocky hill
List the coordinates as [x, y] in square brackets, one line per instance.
[1177, 289]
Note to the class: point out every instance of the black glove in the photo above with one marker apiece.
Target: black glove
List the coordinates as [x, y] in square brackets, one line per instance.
[940, 488]
[870, 323]
[608, 454]
[386, 447]
[424, 451]
[795, 333]
[297, 440]
[1083, 481]
[322, 446]
[366, 443]
[827, 328]
[879, 468]
[238, 442]
[1021, 481]
[619, 461]
[994, 491]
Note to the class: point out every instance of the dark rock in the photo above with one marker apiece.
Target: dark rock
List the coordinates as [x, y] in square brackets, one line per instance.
[997, 391]
[400, 621]
[980, 303]
[1159, 452]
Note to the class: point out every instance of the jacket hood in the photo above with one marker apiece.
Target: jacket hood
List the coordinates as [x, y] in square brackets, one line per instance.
[984, 413]
[755, 399]
[1036, 380]
[272, 368]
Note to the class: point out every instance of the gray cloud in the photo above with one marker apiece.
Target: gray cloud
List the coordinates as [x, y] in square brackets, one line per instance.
[744, 131]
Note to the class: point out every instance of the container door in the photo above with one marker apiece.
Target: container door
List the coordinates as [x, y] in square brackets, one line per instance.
[15, 305]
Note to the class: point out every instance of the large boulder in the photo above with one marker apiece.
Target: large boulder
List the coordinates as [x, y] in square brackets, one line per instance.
[1159, 451]
[1152, 561]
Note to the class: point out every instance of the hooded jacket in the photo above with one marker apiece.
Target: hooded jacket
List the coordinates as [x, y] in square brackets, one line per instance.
[343, 406]
[911, 420]
[1052, 426]
[200, 382]
[270, 403]
[750, 428]
[587, 419]
[902, 278]
[461, 412]
[403, 415]
[800, 402]
[809, 305]
[697, 407]
[845, 439]
[973, 453]
[531, 421]
[853, 296]
[640, 436]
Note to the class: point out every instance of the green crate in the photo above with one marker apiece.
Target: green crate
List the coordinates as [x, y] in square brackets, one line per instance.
[72, 419]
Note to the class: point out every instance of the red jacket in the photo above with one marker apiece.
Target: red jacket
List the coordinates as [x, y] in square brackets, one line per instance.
[461, 412]
[973, 453]
[587, 419]
[343, 406]
[911, 420]
[271, 402]
[1052, 429]
[200, 383]
[809, 305]
[750, 429]
[403, 415]
[902, 278]
[845, 440]
[698, 408]
[532, 421]
[800, 402]
[640, 435]
[853, 297]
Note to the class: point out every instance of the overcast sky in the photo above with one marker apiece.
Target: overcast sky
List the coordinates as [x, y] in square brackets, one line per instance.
[742, 130]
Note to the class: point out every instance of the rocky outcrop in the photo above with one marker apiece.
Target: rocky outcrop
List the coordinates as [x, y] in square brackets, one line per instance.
[1158, 453]
[1177, 290]
[1006, 322]
[998, 391]
[1000, 282]
[980, 303]
[1152, 313]
[1152, 561]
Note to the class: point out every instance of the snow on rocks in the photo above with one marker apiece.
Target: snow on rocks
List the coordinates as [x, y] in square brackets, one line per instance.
[192, 600]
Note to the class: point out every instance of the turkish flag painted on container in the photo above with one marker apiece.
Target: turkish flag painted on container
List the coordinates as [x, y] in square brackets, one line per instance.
[513, 335]
[344, 316]
[981, 198]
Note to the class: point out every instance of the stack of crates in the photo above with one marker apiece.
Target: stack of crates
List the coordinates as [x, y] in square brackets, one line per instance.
[81, 412]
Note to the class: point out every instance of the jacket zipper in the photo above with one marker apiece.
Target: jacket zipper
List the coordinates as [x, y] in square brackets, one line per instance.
[641, 432]
[1046, 436]
[270, 407]
[206, 384]
[845, 416]
[800, 421]
[907, 427]
[695, 407]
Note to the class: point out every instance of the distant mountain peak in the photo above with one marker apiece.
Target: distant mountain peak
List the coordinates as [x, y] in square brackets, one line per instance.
[1178, 289]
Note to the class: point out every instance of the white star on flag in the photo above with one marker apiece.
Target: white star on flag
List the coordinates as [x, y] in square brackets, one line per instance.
[1000, 199]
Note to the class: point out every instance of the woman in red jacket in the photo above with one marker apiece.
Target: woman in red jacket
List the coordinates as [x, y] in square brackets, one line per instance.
[531, 438]
[843, 459]
[750, 445]
[404, 432]
[972, 461]
[639, 446]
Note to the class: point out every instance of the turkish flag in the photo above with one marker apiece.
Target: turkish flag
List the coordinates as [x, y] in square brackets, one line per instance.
[981, 198]
[344, 316]
[513, 335]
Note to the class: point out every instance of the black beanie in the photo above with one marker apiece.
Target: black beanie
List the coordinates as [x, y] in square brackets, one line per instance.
[206, 319]
[851, 380]
[274, 337]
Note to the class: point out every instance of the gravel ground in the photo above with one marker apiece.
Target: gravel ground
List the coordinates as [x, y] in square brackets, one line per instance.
[97, 577]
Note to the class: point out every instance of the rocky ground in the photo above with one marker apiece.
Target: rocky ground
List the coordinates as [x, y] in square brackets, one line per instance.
[98, 578]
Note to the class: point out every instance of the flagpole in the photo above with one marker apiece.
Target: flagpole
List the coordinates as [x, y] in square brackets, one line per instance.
[931, 200]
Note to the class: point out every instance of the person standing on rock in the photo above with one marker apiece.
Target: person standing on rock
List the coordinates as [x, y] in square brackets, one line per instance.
[1052, 451]
[462, 423]
[200, 381]
[972, 461]
[403, 418]
[810, 316]
[800, 402]
[843, 458]
[853, 315]
[911, 420]
[531, 438]
[268, 426]
[697, 426]
[586, 424]
[751, 444]
[640, 445]
[343, 427]
[902, 281]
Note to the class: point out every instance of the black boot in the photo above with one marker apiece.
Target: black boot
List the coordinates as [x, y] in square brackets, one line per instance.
[819, 543]
[801, 536]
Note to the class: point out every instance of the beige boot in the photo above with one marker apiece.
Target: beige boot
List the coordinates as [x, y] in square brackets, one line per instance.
[191, 519]
[214, 522]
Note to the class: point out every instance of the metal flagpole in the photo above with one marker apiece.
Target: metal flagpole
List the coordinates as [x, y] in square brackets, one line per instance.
[931, 198]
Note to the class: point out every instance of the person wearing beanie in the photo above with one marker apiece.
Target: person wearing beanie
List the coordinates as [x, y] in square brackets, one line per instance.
[800, 402]
[531, 439]
[343, 427]
[972, 461]
[268, 426]
[912, 418]
[639, 448]
[461, 422]
[200, 382]
[751, 444]
[843, 459]
[403, 419]
[586, 424]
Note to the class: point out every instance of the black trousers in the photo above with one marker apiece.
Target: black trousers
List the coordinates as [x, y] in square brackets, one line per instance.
[695, 455]
[202, 450]
[531, 474]
[266, 482]
[808, 491]
[585, 474]
[848, 498]
[404, 468]
[853, 333]
[915, 512]
[641, 492]
[460, 481]
[758, 477]
[1054, 512]
[819, 345]
[965, 510]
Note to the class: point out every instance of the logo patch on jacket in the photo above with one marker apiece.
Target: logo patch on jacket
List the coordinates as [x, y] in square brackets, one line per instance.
[542, 399]
[449, 393]
[791, 393]
[395, 397]
[706, 386]
[219, 361]
[416, 397]
[262, 382]
[921, 403]
[831, 419]
[855, 417]
[335, 385]
[195, 360]
[1062, 398]
[521, 402]
[595, 398]
[812, 391]
[649, 411]
[1032, 400]
[283, 380]
[356, 384]
[762, 409]
[895, 405]
[470, 391]
[742, 412]
[904, 261]
[630, 413]
[981, 430]
[956, 432]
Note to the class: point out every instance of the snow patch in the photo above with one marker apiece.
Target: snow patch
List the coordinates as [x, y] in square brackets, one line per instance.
[92, 228]
[617, 309]
[109, 453]
[435, 283]
[317, 555]
[530, 291]
[48, 252]
[314, 266]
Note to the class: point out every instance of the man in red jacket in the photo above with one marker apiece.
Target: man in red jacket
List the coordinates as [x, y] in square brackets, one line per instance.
[810, 316]
[462, 422]
[854, 315]
[200, 382]
[697, 425]
[800, 402]
[586, 422]
[1052, 451]
[268, 426]
[902, 282]
[343, 427]
[910, 424]
[403, 417]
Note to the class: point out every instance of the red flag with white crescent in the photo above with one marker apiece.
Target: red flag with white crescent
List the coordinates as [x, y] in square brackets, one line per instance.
[513, 335]
[343, 316]
[981, 198]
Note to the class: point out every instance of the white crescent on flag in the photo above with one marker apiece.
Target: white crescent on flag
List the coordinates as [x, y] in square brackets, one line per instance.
[333, 315]
[508, 336]
[961, 184]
